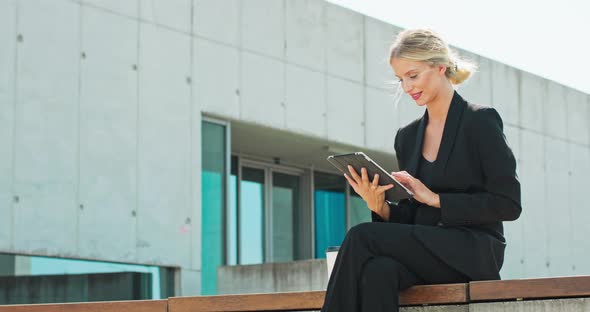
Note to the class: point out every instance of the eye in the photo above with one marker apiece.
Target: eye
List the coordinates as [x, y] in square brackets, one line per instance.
[414, 76]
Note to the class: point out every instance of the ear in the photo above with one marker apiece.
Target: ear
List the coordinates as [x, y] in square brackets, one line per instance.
[441, 69]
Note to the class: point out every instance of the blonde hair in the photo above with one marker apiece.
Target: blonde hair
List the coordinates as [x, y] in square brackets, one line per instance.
[425, 45]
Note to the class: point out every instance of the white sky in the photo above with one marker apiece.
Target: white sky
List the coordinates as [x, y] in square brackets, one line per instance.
[547, 38]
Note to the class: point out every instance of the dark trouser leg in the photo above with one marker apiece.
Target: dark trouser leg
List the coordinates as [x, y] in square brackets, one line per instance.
[380, 279]
[369, 240]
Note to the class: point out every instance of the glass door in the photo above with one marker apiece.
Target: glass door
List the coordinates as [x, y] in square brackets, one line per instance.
[284, 211]
[251, 216]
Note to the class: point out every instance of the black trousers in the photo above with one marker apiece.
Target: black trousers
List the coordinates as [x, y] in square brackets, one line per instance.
[375, 262]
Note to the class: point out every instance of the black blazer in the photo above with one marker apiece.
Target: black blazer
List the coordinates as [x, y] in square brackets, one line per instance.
[475, 176]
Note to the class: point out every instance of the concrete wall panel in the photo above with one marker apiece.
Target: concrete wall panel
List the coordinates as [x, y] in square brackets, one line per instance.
[217, 20]
[7, 80]
[46, 128]
[532, 100]
[129, 8]
[558, 206]
[216, 78]
[263, 27]
[556, 110]
[578, 117]
[381, 122]
[108, 137]
[305, 33]
[164, 166]
[578, 199]
[190, 283]
[532, 170]
[196, 179]
[305, 101]
[505, 87]
[345, 118]
[344, 42]
[175, 14]
[273, 277]
[378, 38]
[513, 231]
[262, 90]
[477, 88]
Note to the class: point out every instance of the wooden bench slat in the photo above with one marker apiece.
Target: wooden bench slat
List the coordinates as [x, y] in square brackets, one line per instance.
[435, 294]
[304, 301]
[108, 306]
[537, 288]
[417, 295]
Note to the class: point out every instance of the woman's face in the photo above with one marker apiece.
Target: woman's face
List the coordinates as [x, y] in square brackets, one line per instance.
[418, 79]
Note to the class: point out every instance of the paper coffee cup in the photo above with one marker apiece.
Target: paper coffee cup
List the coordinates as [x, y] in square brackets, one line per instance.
[331, 253]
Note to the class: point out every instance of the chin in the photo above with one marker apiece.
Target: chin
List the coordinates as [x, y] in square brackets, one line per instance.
[421, 102]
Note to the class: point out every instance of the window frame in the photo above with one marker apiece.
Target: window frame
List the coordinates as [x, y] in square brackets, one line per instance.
[227, 125]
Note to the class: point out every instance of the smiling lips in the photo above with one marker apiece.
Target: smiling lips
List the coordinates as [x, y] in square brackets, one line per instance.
[416, 96]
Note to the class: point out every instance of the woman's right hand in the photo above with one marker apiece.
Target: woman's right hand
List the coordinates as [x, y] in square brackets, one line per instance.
[370, 191]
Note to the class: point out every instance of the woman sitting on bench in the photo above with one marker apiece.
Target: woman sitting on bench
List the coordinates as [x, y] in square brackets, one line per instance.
[456, 161]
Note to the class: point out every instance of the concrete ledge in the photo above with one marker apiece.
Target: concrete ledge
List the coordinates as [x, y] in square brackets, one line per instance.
[557, 305]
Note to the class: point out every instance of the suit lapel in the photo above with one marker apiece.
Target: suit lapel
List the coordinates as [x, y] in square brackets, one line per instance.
[448, 138]
[417, 151]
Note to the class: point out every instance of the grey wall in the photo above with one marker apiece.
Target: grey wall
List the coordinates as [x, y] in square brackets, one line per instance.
[100, 114]
[302, 275]
[100, 134]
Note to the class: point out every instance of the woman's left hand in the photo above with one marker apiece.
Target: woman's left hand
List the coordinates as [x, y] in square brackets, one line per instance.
[421, 193]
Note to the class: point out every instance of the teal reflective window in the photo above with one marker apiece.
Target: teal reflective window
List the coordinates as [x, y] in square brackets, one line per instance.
[35, 279]
[213, 178]
[251, 216]
[329, 212]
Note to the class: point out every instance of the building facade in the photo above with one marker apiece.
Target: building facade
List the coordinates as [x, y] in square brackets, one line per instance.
[181, 136]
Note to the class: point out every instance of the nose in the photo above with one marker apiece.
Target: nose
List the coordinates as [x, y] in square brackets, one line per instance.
[406, 86]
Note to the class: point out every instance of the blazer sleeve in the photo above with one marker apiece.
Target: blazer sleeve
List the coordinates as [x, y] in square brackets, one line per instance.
[500, 200]
[401, 212]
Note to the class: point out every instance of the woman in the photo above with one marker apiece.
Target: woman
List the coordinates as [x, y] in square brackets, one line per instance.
[456, 161]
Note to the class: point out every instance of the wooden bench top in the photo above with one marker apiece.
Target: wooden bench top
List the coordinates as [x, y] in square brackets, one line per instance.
[312, 300]
[302, 301]
[109, 306]
[535, 288]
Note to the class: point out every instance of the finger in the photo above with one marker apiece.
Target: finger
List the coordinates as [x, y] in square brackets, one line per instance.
[376, 180]
[352, 183]
[364, 175]
[406, 184]
[353, 174]
[383, 188]
[401, 174]
[401, 177]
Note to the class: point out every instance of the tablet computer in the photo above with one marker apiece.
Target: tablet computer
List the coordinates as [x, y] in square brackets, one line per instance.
[359, 160]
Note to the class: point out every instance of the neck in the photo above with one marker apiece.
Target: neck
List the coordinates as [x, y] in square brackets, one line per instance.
[438, 108]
